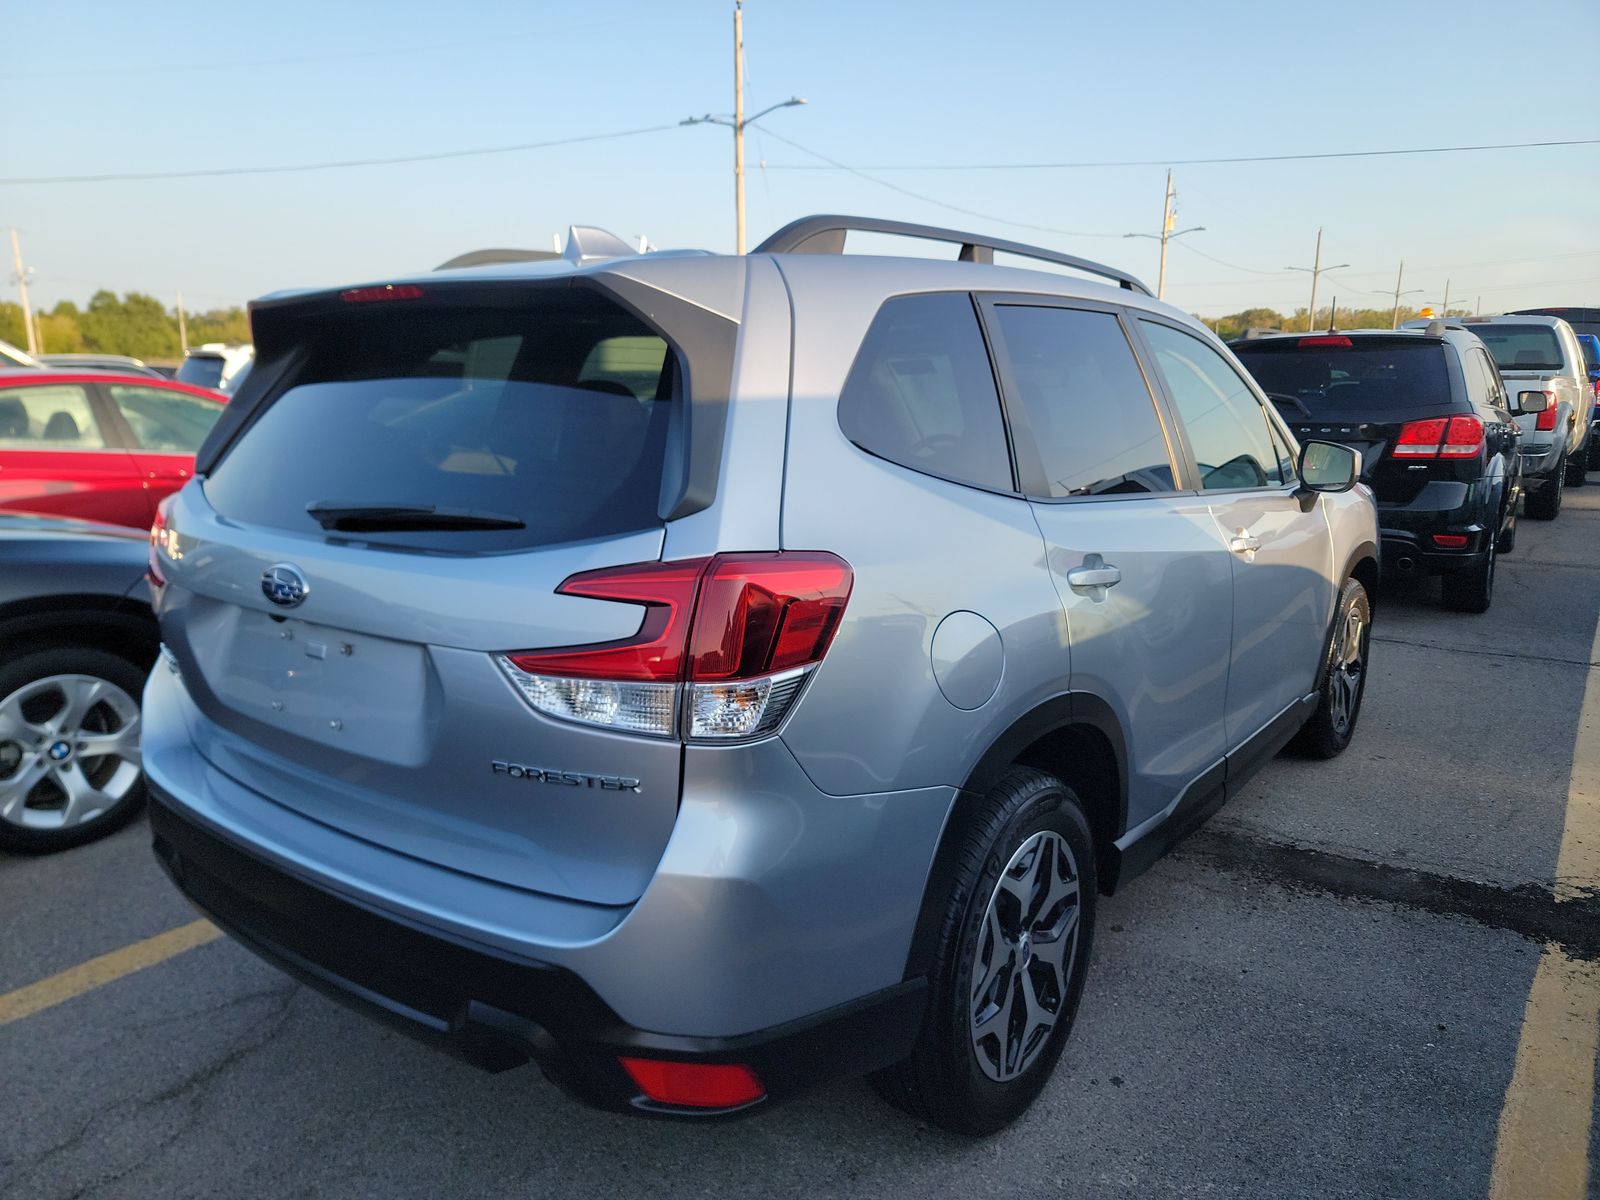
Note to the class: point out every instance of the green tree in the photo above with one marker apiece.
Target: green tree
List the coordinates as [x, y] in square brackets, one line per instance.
[135, 324]
[219, 325]
[11, 327]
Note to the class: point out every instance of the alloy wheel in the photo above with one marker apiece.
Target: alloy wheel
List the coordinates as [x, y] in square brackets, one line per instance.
[1023, 959]
[1344, 676]
[69, 751]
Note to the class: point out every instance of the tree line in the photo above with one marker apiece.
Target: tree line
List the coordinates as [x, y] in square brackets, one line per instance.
[1236, 324]
[135, 324]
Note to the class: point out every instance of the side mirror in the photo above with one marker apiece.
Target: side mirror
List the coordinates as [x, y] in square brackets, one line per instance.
[1532, 402]
[1326, 467]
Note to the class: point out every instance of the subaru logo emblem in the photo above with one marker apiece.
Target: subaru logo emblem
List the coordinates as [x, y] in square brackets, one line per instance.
[284, 585]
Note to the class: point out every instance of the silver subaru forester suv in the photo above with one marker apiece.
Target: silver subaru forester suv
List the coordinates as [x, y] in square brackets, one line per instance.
[707, 675]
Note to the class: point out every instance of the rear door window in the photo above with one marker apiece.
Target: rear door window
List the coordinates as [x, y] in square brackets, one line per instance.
[1522, 347]
[1227, 427]
[921, 392]
[1089, 412]
[49, 417]
[552, 414]
[165, 421]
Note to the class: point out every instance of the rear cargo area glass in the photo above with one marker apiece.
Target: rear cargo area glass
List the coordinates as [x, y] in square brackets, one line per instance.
[553, 414]
[1334, 382]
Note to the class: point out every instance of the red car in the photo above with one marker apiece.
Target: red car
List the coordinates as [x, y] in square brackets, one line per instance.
[96, 444]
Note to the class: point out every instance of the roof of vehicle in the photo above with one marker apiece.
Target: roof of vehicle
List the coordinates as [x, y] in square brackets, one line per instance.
[28, 377]
[716, 281]
[1278, 337]
[1497, 319]
[67, 360]
[10, 353]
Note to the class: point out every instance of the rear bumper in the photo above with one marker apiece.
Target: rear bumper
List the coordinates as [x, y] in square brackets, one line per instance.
[490, 1008]
[1441, 507]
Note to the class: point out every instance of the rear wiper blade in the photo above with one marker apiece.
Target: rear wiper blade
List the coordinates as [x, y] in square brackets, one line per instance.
[378, 518]
[1282, 398]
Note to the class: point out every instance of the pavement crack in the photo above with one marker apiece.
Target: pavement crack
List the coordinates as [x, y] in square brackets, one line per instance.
[1481, 652]
[1527, 909]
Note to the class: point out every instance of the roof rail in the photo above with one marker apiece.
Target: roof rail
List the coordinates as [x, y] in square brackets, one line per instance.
[825, 235]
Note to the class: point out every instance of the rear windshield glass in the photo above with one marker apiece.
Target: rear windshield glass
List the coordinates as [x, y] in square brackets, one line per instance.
[552, 413]
[1521, 347]
[1327, 382]
[202, 370]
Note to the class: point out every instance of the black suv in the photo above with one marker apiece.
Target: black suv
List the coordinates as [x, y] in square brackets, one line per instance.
[1436, 432]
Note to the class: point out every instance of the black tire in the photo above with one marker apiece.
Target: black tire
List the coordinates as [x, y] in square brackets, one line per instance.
[1472, 590]
[39, 665]
[1331, 727]
[1545, 504]
[944, 1082]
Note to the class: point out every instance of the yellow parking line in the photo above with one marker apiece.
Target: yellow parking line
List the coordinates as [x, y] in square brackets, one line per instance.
[84, 977]
[1542, 1151]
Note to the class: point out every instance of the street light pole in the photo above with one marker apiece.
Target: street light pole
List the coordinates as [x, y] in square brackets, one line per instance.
[22, 291]
[1316, 269]
[1395, 323]
[738, 121]
[1169, 218]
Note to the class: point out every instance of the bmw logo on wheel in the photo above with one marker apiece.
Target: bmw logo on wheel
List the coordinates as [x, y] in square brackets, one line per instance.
[284, 585]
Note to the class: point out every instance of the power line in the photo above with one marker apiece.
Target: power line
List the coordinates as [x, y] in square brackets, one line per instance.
[337, 164]
[1224, 263]
[1180, 162]
[926, 199]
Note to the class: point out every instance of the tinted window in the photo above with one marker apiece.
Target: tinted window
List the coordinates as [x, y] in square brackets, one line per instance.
[1479, 361]
[1521, 347]
[52, 417]
[163, 420]
[1092, 417]
[201, 370]
[1334, 382]
[503, 411]
[1227, 426]
[922, 394]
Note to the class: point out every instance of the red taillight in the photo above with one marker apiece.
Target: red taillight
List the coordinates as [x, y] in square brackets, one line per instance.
[1546, 421]
[389, 291]
[727, 639]
[1463, 439]
[158, 546]
[1326, 340]
[694, 1085]
[1420, 439]
[1450, 541]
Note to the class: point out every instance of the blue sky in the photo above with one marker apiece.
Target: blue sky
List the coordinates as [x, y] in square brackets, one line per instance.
[108, 87]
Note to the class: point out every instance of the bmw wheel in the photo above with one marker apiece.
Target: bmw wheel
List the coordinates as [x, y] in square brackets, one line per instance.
[1344, 677]
[69, 747]
[1015, 933]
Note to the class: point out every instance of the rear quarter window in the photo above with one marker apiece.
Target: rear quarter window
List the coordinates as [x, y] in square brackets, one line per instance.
[554, 414]
[921, 392]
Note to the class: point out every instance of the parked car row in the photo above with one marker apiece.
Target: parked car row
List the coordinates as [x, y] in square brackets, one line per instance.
[705, 676]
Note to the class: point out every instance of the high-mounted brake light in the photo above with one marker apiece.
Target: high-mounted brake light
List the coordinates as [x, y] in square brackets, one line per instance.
[389, 291]
[1326, 340]
[694, 1085]
[723, 648]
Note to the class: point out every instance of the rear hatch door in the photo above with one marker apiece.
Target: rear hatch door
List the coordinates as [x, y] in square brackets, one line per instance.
[1361, 390]
[398, 515]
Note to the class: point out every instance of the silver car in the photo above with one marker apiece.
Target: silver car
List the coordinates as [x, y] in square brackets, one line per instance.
[1541, 354]
[709, 675]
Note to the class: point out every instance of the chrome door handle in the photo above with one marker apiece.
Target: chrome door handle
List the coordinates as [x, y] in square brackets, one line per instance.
[1098, 576]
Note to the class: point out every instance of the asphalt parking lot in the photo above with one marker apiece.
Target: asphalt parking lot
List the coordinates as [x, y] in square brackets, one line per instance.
[1334, 989]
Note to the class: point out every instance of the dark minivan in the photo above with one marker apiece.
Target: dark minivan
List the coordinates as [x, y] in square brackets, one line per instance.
[1436, 433]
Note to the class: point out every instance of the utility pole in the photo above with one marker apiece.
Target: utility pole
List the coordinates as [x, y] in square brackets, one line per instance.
[738, 122]
[1446, 313]
[1169, 218]
[183, 328]
[1395, 323]
[1315, 269]
[22, 289]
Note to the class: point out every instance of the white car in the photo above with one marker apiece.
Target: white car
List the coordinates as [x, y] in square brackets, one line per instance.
[217, 365]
